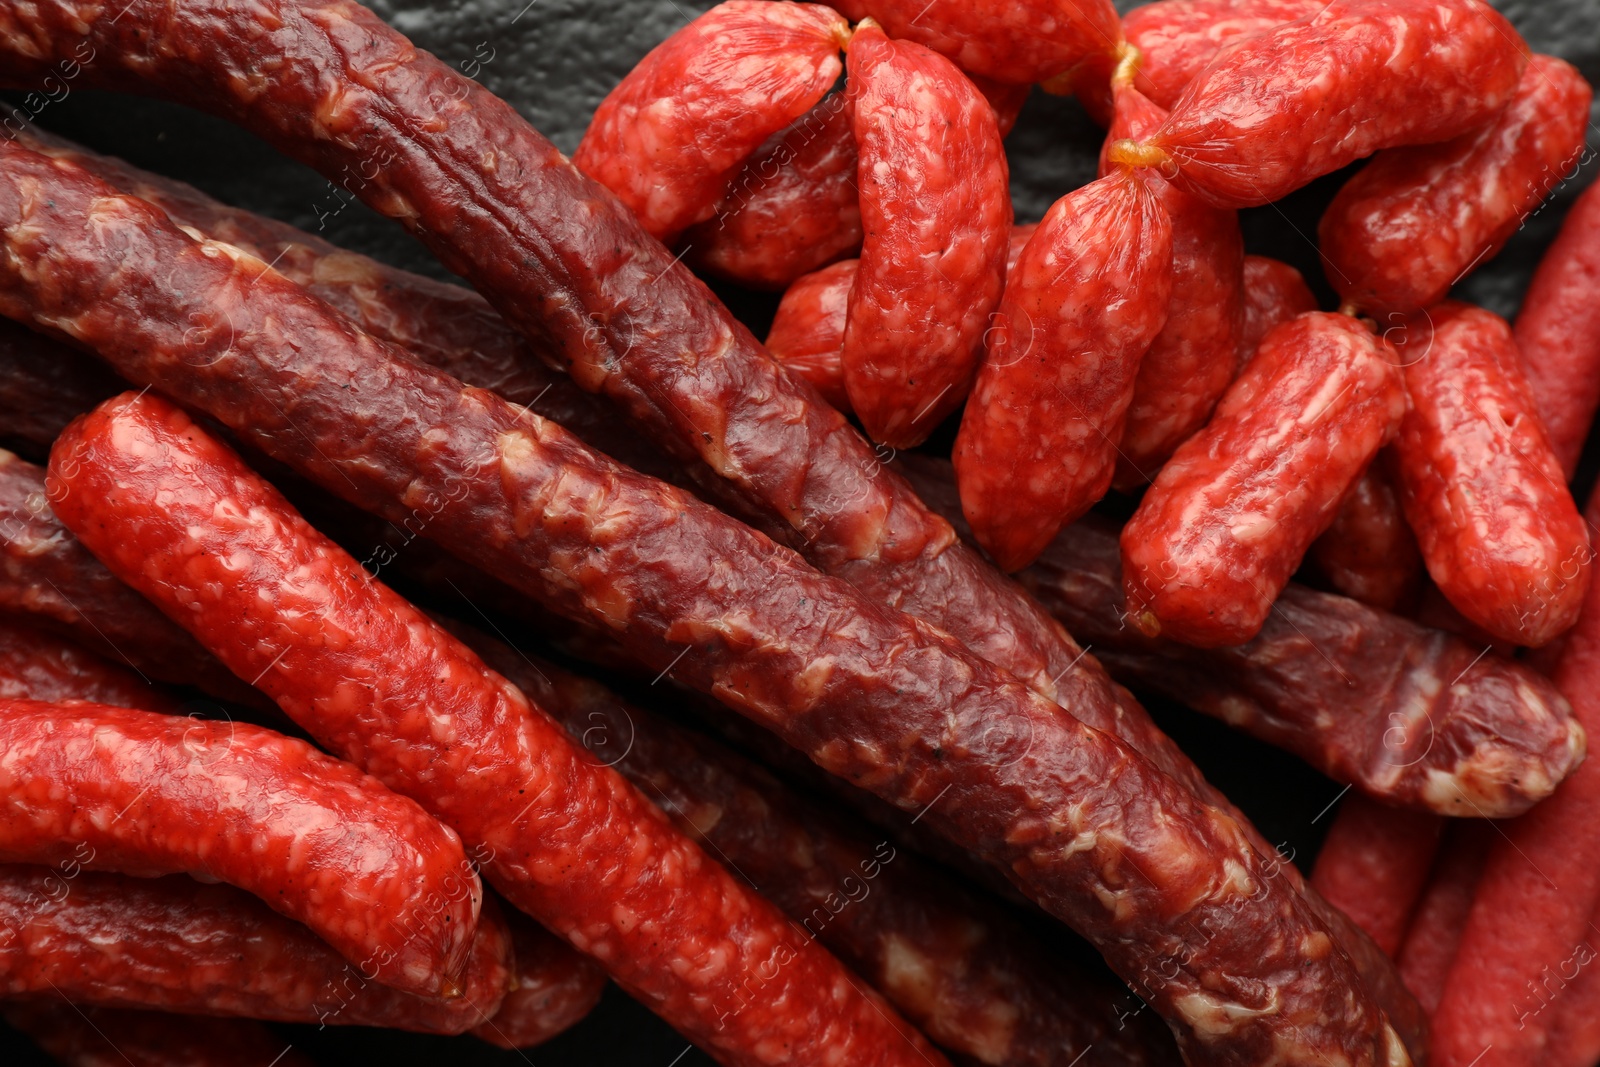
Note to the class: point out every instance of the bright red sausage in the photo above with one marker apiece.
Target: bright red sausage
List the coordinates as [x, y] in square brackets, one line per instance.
[1369, 552]
[807, 334]
[369, 871]
[1179, 38]
[1304, 98]
[1416, 220]
[1374, 865]
[1434, 935]
[1481, 487]
[1274, 293]
[936, 212]
[1038, 442]
[671, 136]
[1231, 514]
[370, 676]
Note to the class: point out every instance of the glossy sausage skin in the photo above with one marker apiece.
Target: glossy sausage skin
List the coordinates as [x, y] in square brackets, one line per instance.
[669, 138]
[145, 793]
[1558, 331]
[1481, 487]
[1178, 39]
[601, 549]
[1369, 552]
[1274, 293]
[174, 944]
[1232, 513]
[807, 334]
[1416, 220]
[936, 212]
[1305, 98]
[355, 665]
[1038, 442]
[1194, 357]
[553, 989]
[35, 665]
[970, 976]
[108, 1037]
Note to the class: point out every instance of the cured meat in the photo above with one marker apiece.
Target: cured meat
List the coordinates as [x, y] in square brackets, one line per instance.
[38, 666]
[103, 1037]
[1369, 553]
[1374, 865]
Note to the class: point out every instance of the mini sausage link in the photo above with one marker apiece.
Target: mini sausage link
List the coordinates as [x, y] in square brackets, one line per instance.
[1434, 935]
[1374, 865]
[1232, 513]
[970, 976]
[534, 453]
[174, 944]
[1020, 41]
[38, 666]
[371, 872]
[107, 1037]
[669, 138]
[807, 334]
[1274, 293]
[1305, 98]
[1369, 552]
[1415, 717]
[1415, 220]
[1177, 39]
[1558, 331]
[553, 989]
[936, 212]
[40, 392]
[1194, 357]
[569, 840]
[1481, 487]
[1038, 443]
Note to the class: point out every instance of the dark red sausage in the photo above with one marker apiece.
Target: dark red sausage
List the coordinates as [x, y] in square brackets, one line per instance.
[971, 977]
[671, 136]
[807, 334]
[1369, 552]
[770, 677]
[369, 871]
[1558, 331]
[356, 666]
[40, 392]
[1415, 717]
[38, 666]
[1194, 357]
[47, 577]
[108, 1037]
[1416, 220]
[1574, 1039]
[1435, 932]
[553, 989]
[1305, 98]
[1022, 41]
[1274, 293]
[936, 213]
[1038, 442]
[174, 944]
[1232, 513]
[1481, 487]
[1374, 865]
[1179, 38]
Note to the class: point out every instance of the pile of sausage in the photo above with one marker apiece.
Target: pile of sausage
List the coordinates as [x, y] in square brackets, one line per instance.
[243, 777]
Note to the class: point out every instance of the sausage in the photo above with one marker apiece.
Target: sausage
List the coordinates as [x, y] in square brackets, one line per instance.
[147, 793]
[1305, 98]
[610, 304]
[1177, 39]
[101, 1037]
[1374, 865]
[1231, 514]
[1274, 293]
[49, 578]
[1193, 358]
[807, 334]
[570, 839]
[792, 209]
[1480, 485]
[936, 212]
[553, 989]
[1369, 552]
[972, 978]
[674, 132]
[39, 666]
[1558, 331]
[1574, 1039]
[1416, 718]
[39, 390]
[1544, 871]
[1435, 932]
[1029, 41]
[531, 453]
[173, 944]
[1038, 442]
[1415, 220]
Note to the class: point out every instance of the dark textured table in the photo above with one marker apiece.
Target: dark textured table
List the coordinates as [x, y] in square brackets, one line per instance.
[554, 60]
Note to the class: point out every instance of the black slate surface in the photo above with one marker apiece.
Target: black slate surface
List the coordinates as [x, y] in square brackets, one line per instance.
[554, 60]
